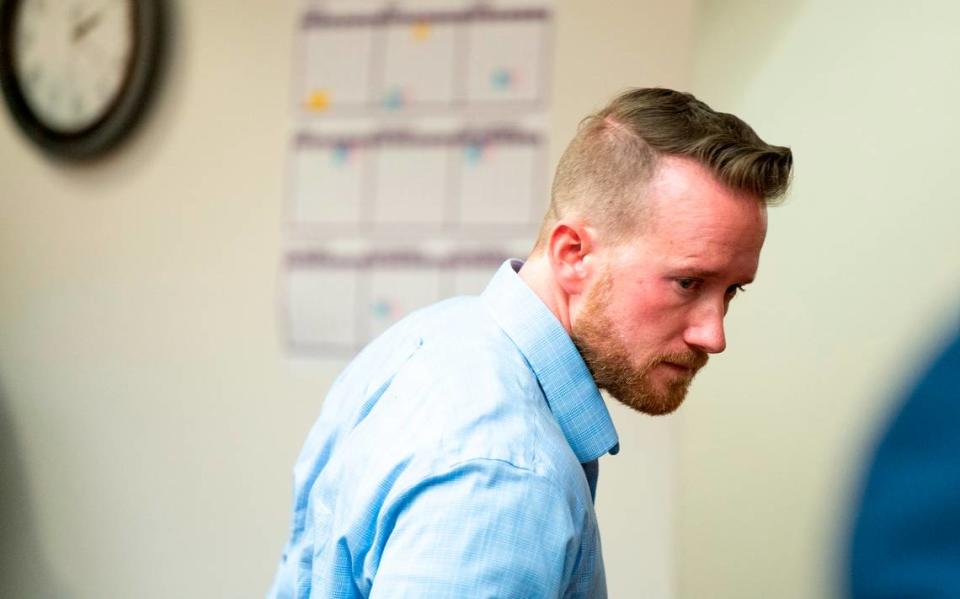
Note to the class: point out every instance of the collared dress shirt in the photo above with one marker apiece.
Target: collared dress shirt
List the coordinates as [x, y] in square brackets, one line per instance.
[456, 456]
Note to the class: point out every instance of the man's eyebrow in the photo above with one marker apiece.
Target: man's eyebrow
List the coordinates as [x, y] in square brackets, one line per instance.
[705, 273]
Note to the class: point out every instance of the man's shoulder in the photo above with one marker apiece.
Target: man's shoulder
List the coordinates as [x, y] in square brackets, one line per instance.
[486, 400]
[446, 386]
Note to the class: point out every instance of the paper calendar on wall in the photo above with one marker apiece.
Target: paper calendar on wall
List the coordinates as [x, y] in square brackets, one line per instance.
[417, 159]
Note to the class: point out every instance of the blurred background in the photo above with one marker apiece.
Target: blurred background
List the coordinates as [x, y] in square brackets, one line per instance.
[150, 414]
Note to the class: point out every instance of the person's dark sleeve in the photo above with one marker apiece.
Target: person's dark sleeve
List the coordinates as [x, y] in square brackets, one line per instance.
[906, 537]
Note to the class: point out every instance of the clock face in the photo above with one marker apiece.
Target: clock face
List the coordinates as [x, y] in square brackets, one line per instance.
[78, 74]
[72, 58]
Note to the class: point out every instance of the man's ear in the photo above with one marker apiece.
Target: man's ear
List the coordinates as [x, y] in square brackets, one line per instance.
[569, 250]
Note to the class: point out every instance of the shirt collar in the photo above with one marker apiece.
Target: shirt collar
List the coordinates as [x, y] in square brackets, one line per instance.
[572, 395]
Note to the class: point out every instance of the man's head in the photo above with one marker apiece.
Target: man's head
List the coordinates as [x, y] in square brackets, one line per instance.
[657, 219]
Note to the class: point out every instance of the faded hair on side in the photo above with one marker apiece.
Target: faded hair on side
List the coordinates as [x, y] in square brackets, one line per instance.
[616, 150]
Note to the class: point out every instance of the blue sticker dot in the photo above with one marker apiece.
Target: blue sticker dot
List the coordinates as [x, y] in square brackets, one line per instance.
[473, 153]
[393, 100]
[341, 153]
[501, 79]
[381, 309]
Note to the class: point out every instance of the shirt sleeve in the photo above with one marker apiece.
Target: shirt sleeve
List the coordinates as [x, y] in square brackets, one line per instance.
[906, 534]
[484, 528]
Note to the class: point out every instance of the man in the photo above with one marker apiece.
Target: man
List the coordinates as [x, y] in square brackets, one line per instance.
[456, 456]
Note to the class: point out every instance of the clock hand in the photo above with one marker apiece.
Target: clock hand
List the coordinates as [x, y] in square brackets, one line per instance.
[83, 27]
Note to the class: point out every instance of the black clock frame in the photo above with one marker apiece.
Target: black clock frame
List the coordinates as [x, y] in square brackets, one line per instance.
[120, 118]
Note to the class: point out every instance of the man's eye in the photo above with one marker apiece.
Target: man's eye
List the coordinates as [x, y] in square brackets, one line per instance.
[734, 289]
[688, 284]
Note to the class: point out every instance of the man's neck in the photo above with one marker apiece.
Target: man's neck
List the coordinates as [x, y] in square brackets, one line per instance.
[538, 276]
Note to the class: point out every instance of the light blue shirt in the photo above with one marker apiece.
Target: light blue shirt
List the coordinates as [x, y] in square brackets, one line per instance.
[456, 456]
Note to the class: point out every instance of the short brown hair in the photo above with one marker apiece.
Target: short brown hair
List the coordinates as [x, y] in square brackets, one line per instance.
[616, 150]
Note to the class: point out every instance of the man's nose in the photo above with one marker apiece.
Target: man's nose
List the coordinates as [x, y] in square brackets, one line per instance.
[706, 330]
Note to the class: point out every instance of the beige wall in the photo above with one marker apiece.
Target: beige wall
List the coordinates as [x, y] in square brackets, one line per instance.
[859, 280]
[145, 405]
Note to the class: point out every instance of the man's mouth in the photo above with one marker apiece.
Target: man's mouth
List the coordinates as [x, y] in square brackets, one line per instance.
[680, 367]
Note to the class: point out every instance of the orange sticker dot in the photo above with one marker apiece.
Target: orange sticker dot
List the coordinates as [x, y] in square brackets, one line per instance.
[318, 101]
[421, 31]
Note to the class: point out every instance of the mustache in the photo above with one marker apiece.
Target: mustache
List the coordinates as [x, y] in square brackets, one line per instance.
[694, 360]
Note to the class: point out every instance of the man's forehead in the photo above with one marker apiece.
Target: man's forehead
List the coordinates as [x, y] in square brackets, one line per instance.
[700, 226]
[703, 212]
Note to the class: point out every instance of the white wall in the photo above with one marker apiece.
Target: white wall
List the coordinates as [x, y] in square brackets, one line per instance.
[148, 417]
[145, 405]
[859, 280]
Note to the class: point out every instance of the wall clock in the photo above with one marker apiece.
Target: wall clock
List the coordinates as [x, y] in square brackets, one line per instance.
[77, 74]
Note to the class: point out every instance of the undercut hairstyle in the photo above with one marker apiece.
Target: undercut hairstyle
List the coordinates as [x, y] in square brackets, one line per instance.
[602, 173]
